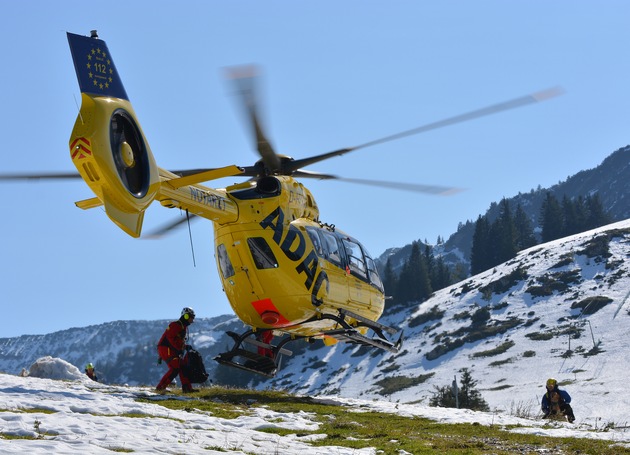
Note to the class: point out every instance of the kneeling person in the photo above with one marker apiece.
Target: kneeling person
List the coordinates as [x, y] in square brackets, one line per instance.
[555, 402]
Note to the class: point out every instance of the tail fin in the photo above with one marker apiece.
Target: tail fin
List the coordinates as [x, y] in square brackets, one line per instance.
[95, 68]
[107, 145]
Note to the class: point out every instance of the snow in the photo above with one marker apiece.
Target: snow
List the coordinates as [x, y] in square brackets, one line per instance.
[514, 380]
[72, 414]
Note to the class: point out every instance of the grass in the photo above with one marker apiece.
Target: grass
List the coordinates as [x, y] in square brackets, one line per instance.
[388, 433]
[30, 410]
[394, 384]
[495, 351]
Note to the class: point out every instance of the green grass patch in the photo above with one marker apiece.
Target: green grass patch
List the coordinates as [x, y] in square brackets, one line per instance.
[499, 363]
[500, 349]
[397, 383]
[431, 315]
[11, 437]
[387, 433]
[539, 336]
[592, 305]
[505, 283]
[30, 410]
[500, 387]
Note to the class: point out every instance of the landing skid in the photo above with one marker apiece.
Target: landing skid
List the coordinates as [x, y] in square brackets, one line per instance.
[266, 364]
[350, 334]
[266, 360]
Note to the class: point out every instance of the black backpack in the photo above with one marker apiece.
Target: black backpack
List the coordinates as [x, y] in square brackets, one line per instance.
[193, 367]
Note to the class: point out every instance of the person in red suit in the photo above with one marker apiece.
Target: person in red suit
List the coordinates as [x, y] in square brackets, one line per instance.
[171, 349]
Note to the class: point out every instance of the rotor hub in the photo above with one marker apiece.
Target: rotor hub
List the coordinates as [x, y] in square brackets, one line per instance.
[126, 153]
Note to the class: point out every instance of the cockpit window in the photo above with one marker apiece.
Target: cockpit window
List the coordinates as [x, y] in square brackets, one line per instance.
[227, 270]
[355, 258]
[262, 254]
[317, 243]
[375, 278]
[330, 247]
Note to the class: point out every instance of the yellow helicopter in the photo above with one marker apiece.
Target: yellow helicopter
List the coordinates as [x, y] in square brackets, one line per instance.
[286, 273]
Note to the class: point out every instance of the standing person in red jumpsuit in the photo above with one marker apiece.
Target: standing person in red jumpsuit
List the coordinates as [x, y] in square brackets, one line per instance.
[171, 349]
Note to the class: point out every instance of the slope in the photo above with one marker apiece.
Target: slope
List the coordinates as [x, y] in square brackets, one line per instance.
[558, 309]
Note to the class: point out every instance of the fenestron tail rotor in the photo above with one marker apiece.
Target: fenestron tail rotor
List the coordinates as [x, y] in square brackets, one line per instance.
[129, 153]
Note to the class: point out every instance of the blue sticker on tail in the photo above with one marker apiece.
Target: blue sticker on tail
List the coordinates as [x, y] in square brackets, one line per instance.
[95, 68]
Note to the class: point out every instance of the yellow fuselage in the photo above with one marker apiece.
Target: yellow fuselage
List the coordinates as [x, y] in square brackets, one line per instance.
[282, 269]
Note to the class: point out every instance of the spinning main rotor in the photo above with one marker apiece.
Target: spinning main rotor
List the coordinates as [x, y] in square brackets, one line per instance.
[131, 162]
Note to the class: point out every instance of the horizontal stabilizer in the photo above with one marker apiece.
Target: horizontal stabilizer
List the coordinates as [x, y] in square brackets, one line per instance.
[89, 203]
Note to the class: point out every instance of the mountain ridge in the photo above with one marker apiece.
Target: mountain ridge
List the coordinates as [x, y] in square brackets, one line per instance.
[610, 180]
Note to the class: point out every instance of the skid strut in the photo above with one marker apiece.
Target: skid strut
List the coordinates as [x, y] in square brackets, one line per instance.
[350, 334]
[265, 360]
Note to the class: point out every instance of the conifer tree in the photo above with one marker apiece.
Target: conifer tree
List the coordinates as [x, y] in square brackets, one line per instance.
[596, 215]
[480, 254]
[441, 276]
[429, 259]
[524, 233]
[572, 216]
[413, 282]
[443, 397]
[469, 396]
[389, 278]
[551, 219]
[505, 234]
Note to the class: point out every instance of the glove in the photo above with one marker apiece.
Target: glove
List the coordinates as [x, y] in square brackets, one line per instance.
[188, 347]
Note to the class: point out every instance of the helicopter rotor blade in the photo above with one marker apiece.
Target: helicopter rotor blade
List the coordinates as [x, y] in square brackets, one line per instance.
[168, 227]
[42, 176]
[437, 190]
[413, 187]
[245, 79]
[248, 171]
[485, 111]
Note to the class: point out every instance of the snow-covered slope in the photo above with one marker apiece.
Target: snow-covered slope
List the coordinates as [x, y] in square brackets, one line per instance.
[557, 310]
[536, 327]
[72, 414]
[77, 415]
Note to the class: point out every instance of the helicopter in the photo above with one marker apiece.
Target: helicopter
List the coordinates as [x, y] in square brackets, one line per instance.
[287, 275]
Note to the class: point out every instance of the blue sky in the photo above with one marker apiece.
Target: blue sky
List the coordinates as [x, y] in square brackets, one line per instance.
[335, 74]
